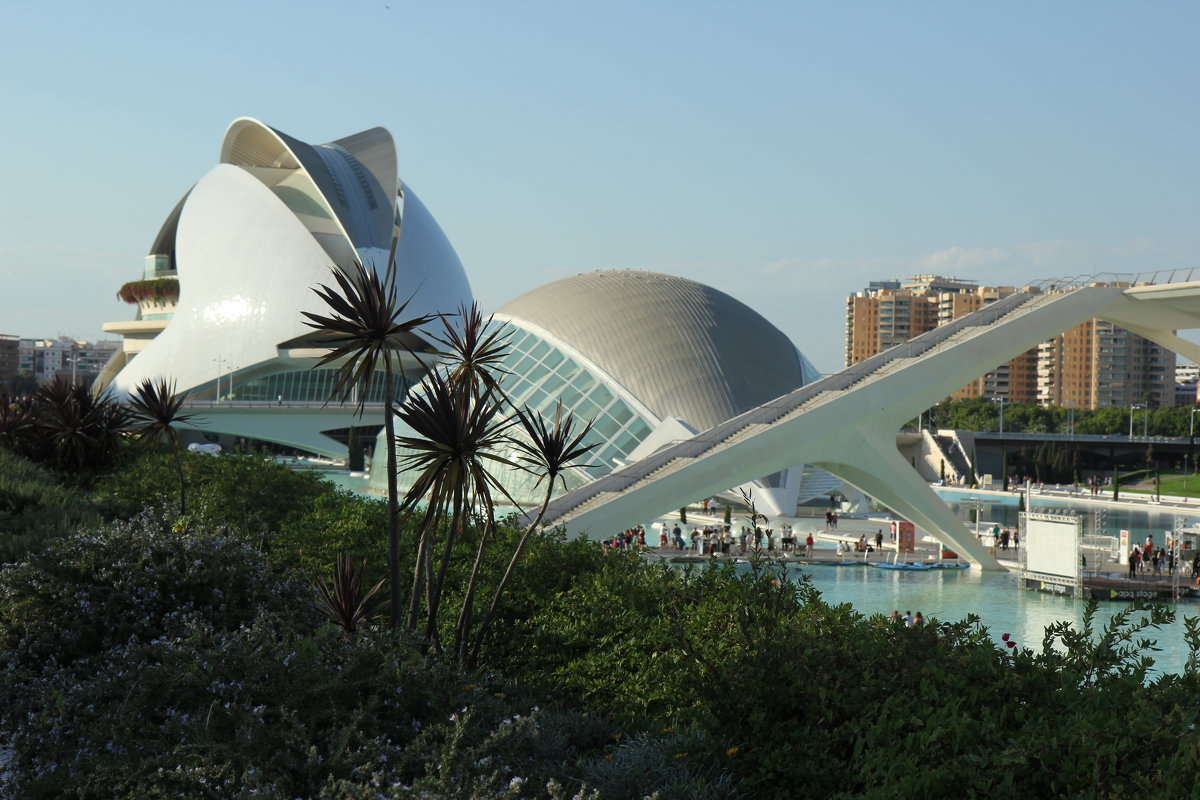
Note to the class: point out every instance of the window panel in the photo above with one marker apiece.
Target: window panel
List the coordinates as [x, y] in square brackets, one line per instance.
[621, 412]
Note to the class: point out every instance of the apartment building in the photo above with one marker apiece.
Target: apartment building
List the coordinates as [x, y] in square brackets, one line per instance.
[1099, 365]
[43, 359]
[1091, 366]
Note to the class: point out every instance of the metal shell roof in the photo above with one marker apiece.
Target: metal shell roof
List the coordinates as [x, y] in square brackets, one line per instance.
[686, 350]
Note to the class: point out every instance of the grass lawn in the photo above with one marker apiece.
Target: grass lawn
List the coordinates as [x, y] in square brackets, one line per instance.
[1176, 485]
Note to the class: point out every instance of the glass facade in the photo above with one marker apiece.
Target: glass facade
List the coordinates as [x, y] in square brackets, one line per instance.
[303, 386]
[539, 376]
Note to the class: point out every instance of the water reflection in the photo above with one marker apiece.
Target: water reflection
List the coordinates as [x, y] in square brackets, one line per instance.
[995, 598]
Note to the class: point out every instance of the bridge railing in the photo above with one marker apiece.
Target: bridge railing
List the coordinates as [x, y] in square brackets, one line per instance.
[1152, 278]
[219, 404]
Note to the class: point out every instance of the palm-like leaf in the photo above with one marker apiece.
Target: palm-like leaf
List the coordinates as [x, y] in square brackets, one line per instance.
[475, 349]
[156, 409]
[80, 430]
[549, 449]
[456, 437]
[18, 424]
[364, 333]
[345, 601]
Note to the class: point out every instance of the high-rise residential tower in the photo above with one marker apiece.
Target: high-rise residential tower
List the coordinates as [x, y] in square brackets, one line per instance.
[1093, 365]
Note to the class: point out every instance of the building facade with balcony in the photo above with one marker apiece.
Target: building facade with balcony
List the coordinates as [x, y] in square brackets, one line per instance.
[1092, 365]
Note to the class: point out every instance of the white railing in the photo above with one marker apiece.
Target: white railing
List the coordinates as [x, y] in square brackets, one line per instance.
[1153, 278]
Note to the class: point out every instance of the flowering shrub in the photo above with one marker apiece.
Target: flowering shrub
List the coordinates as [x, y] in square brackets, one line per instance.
[155, 660]
[98, 589]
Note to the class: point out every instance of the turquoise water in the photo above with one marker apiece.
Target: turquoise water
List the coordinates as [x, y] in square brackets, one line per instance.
[950, 595]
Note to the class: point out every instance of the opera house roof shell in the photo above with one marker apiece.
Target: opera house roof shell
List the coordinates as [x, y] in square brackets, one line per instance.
[247, 245]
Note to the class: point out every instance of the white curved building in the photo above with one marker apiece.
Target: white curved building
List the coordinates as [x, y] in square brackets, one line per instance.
[650, 359]
[246, 245]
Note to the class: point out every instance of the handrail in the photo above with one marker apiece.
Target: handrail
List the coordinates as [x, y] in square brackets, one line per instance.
[638, 471]
[219, 404]
[1153, 278]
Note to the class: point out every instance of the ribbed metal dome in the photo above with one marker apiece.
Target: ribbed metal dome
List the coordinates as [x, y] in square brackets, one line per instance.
[684, 349]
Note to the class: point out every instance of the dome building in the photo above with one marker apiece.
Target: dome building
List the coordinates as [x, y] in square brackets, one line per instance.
[649, 359]
[234, 266]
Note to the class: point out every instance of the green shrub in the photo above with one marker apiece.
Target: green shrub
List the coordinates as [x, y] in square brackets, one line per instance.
[821, 701]
[34, 508]
[147, 661]
[299, 518]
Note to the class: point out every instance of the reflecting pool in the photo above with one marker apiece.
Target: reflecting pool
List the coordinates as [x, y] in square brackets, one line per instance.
[995, 598]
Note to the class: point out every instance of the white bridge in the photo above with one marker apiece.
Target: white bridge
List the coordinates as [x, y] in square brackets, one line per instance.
[846, 423]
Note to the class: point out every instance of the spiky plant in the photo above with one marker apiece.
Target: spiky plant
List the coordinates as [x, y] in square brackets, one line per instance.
[78, 430]
[456, 437]
[546, 450]
[366, 334]
[156, 409]
[475, 349]
[344, 600]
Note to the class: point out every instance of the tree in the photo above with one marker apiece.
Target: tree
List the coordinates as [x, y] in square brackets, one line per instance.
[365, 334]
[457, 416]
[155, 409]
[454, 435]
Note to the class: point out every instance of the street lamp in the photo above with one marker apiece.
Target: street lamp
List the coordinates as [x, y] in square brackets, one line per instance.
[218, 361]
[1132, 407]
[1000, 400]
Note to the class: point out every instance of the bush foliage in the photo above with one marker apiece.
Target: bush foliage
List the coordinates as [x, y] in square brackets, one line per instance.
[34, 508]
[166, 657]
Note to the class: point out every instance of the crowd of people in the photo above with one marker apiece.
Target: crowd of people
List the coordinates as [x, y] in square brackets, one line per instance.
[713, 539]
[1147, 559]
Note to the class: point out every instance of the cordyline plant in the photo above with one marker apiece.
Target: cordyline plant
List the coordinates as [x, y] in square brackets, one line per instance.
[455, 435]
[366, 334]
[155, 409]
[344, 600]
[462, 425]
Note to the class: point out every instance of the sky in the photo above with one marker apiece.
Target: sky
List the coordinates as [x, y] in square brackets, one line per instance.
[786, 153]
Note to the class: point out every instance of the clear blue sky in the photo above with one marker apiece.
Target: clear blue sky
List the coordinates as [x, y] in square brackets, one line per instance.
[786, 153]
